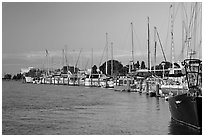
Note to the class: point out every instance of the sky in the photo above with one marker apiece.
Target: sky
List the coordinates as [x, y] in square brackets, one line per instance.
[29, 29]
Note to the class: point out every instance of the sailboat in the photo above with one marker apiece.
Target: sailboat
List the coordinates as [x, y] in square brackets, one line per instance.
[175, 83]
[186, 108]
[127, 83]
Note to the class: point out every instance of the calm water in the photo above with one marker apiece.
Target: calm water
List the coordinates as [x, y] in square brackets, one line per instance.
[55, 109]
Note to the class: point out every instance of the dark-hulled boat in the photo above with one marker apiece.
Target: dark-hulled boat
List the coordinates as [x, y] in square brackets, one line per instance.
[187, 108]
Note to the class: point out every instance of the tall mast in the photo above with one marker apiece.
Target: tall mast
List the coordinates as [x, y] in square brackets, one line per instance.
[155, 46]
[172, 37]
[62, 58]
[111, 58]
[183, 42]
[132, 43]
[195, 29]
[78, 58]
[67, 64]
[52, 64]
[47, 60]
[106, 53]
[148, 49]
[91, 58]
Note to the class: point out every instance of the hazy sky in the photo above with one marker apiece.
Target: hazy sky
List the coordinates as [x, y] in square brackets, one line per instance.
[29, 29]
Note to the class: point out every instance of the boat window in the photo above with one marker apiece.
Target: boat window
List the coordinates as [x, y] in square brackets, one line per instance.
[120, 82]
[94, 76]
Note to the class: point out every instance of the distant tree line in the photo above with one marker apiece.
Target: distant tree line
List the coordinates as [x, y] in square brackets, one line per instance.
[118, 69]
[14, 77]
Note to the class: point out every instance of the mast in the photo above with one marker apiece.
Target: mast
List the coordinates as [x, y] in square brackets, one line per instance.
[67, 64]
[183, 41]
[78, 59]
[73, 60]
[62, 58]
[148, 48]
[111, 58]
[155, 50]
[195, 29]
[172, 37]
[52, 68]
[132, 43]
[106, 53]
[91, 58]
[47, 60]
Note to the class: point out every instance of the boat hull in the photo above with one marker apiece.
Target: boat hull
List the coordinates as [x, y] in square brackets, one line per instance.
[186, 110]
[28, 79]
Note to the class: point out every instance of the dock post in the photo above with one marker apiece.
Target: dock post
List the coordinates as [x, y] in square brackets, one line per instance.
[106, 82]
[157, 90]
[98, 82]
[91, 81]
[147, 87]
[128, 85]
[78, 81]
[140, 86]
[84, 81]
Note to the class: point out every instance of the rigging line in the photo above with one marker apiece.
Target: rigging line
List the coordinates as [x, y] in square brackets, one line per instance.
[191, 19]
[167, 35]
[161, 46]
[183, 40]
[190, 27]
[78, 58]
[102, 55]
[186, 15]
[137, 38]
[175, 14]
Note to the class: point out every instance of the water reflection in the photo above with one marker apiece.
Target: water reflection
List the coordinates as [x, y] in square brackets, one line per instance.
[176, 128]
[157, 104]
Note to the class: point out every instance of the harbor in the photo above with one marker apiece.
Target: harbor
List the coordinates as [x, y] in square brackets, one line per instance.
[89, 77]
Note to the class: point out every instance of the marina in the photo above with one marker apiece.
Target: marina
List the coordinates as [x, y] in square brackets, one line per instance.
[98, 83]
